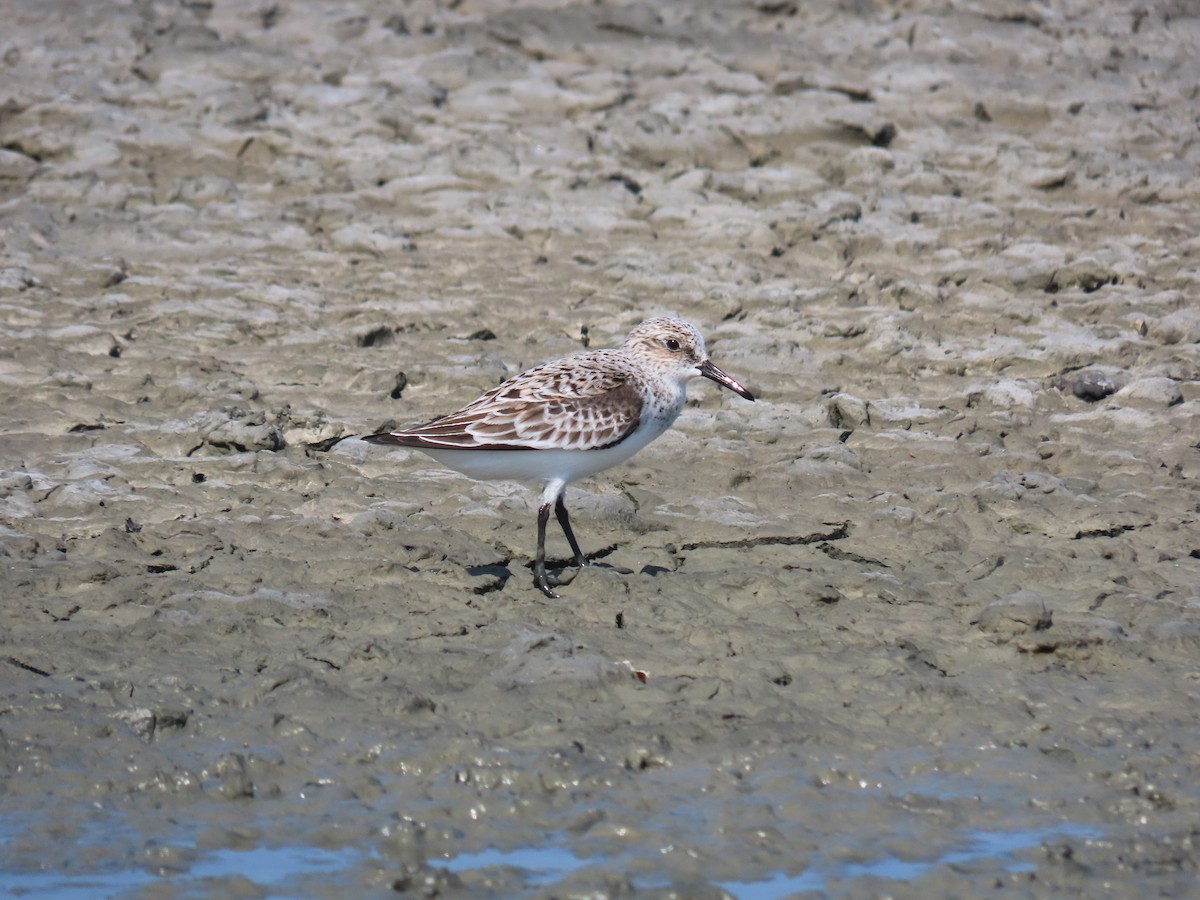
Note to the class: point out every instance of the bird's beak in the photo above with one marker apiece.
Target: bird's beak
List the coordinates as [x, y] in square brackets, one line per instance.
[708, 370]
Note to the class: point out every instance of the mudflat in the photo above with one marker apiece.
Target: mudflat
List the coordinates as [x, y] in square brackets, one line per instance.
[922, 621]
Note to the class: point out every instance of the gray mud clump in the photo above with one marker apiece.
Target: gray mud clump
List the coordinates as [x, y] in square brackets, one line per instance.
[923, 621]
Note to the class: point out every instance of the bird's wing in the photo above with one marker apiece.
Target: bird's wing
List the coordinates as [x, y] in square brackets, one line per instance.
[584, 403]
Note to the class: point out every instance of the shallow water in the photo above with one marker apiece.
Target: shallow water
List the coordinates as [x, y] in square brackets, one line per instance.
[276, 871]
[904, 822]
[300, 871]
[921, 621]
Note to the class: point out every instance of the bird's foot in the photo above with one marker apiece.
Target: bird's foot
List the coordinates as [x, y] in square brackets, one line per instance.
[542, 580]
[547, 582]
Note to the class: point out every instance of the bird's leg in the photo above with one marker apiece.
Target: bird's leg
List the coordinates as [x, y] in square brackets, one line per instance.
[539, 561]
[560, 512]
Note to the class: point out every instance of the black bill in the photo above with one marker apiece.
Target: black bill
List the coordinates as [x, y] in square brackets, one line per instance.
[708, 370]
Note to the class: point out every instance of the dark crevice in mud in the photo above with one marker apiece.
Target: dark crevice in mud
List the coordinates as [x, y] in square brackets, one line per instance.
[920, 657]
[841, 532]
[499, 575]
[324, 662]
[377, 337]
[1114, 531]
[626, 181]
[274, 443]
[838, 553]
[27, 667]
[603, 552]
[491, 588]
[328, 443]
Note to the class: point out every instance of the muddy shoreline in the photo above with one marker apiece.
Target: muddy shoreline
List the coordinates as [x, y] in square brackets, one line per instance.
[922, 621]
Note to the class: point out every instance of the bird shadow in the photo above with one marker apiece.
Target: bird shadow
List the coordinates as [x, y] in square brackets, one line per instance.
[560, 571]
[567, 572]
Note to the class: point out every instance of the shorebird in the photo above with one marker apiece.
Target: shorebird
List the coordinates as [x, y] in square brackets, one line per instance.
[571, 418]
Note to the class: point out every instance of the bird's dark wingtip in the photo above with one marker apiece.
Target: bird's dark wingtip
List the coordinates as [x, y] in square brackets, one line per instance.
[384, 437]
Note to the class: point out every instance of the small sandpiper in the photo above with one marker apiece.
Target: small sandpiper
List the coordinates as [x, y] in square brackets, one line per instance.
[570, 418]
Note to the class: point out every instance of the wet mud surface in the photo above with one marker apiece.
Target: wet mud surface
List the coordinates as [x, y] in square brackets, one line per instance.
[923, 621]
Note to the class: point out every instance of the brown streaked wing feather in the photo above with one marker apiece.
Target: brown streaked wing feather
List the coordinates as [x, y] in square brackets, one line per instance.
[582, 423]
[567, 404]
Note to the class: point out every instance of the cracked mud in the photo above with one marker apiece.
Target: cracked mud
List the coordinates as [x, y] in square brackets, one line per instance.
[923, 621]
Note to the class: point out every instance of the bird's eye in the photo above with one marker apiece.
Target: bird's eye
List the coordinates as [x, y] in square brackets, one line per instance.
[672, 344]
